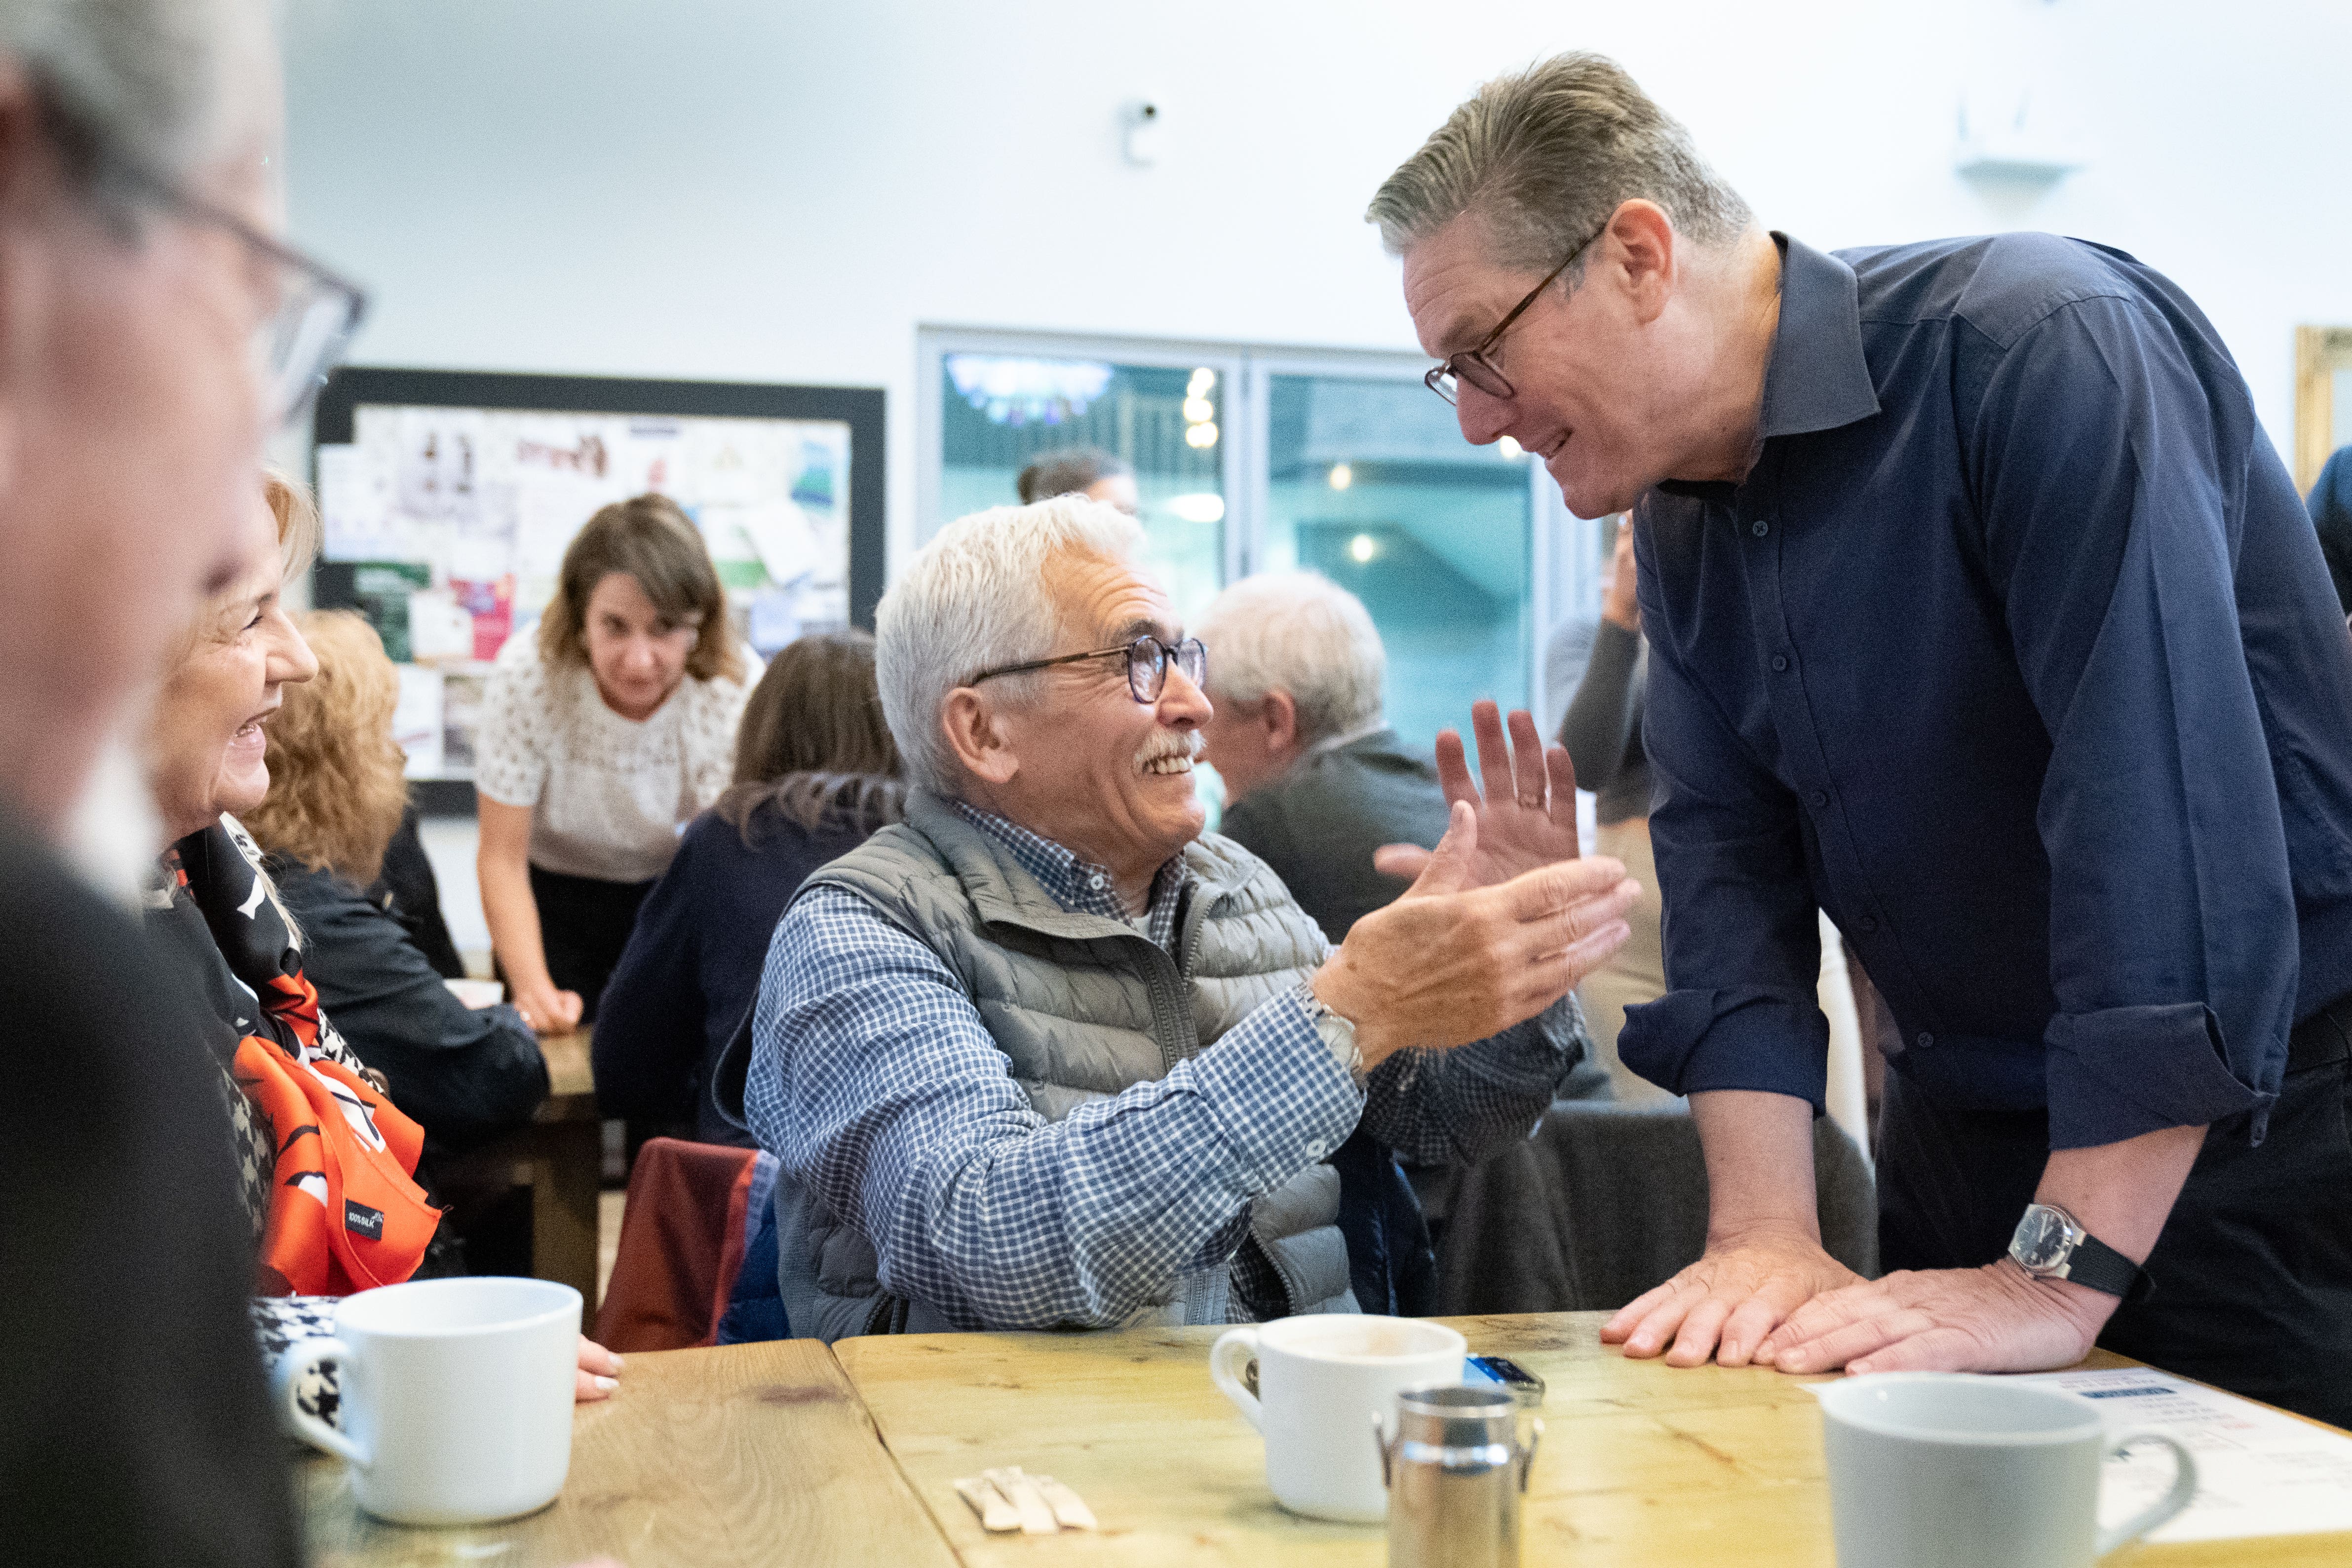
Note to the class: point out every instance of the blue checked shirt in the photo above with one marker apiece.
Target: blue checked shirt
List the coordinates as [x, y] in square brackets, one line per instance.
[875, 1083]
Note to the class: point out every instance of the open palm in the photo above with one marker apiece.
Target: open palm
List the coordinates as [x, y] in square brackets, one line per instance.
[1527, 811]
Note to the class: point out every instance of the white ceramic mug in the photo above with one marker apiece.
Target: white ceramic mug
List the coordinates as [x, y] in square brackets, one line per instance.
[1319, 1383]
[1932, 1469]
[456, 1396]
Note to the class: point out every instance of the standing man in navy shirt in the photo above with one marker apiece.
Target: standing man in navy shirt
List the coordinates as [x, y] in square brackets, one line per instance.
[1983, 616]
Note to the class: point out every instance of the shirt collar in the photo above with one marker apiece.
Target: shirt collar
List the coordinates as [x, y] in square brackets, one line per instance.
[1079, 886]
[1817, 378]
[1332, 743]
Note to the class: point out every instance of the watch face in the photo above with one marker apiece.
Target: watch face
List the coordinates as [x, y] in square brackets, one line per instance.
[2043, 1238]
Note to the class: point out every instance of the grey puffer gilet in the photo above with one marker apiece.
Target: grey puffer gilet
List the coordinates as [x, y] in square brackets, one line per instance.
[1083, 1007]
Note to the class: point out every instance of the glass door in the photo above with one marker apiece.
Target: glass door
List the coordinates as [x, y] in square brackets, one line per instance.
[1258, 460]
[1002, 402]
[1369, 482]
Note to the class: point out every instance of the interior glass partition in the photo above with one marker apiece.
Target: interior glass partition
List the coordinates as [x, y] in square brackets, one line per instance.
[999, 411]
[1254, 460]
[1369, 483]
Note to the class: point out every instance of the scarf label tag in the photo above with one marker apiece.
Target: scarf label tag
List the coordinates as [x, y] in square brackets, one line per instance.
[362, 1220]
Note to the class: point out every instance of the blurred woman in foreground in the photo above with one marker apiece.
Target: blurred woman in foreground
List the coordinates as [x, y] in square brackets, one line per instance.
[340, 1211]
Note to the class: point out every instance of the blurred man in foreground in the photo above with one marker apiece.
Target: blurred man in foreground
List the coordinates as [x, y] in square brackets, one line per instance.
[151, 333]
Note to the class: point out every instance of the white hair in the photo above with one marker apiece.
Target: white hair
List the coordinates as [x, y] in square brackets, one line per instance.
[975, 599]
[1301, 633]
[157, 82]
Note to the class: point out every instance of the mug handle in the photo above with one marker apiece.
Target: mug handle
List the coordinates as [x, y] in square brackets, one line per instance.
[1234, 1348]
[2184, 1487]
[298, 1360]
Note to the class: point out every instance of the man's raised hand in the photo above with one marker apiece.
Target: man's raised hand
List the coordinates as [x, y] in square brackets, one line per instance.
[1459, 961]
[1526, 814]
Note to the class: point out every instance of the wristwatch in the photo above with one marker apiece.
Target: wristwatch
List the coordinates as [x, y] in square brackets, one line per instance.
[2051, 1244]
[1335, 1033]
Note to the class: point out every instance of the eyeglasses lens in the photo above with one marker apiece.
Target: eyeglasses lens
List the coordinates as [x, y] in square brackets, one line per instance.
[1479, 374]
[295, 348]
[1147, 665]
[1146, 669]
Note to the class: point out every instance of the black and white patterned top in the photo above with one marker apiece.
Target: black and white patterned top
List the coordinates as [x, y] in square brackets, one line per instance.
[608, 794]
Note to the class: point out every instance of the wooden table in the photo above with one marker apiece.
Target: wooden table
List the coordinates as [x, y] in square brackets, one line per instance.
[560, 1157]
[706, 1458]
[1641, 1464]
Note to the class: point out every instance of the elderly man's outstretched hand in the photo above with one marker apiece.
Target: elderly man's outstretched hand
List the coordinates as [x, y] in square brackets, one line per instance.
[1502, 919]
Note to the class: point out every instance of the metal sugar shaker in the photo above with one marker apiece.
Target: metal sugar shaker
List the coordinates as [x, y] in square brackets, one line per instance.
[1454, 1471]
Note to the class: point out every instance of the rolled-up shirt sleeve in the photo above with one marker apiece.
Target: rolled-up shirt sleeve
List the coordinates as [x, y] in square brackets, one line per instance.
[1742, 940]
[2172, 922]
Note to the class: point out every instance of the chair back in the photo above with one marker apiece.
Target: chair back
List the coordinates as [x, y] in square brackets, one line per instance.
[1606, 1201]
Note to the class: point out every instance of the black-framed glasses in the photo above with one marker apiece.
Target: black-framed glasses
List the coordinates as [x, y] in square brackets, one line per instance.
[310, 311]
[1471, 364]
[1148, 660]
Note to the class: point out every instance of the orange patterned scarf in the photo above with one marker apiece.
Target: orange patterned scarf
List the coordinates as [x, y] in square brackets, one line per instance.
[343, 1214]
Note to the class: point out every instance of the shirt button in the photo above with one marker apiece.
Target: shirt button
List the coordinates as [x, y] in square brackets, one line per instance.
[1926, 1040]
[1779, 662]
[1869, 923]
[1094, 881]
[1821, 799]
[1318, 1147]
[1760, 527]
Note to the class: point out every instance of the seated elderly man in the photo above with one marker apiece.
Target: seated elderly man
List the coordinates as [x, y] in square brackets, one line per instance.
[1045, 1055]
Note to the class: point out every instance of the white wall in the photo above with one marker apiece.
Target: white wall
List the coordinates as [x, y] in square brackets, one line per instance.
[768, 190]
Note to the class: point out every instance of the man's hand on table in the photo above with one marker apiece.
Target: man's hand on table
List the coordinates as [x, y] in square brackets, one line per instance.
[1998, 1318]
[1502, 919]
[1725, 1304]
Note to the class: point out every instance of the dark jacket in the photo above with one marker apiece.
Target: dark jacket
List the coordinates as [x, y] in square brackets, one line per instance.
[1319, 824]
[415, 895]
[136, 1428]
[466, 1076]
[692, 966]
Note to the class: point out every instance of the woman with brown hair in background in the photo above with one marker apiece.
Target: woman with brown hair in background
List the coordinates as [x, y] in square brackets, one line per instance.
[815, 772]
[337, 793]
[600, 737]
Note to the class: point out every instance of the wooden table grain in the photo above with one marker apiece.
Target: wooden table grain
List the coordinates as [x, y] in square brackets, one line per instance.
[706, 1458]
[1643, 1466]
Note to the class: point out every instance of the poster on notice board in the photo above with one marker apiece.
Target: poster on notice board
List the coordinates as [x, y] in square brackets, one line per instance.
[445, 526]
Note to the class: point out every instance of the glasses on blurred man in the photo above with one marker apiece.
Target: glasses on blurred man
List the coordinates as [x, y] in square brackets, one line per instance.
[307, 312]
[1148, 663]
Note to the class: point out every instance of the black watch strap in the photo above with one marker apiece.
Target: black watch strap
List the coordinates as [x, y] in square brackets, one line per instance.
[2095, 1263]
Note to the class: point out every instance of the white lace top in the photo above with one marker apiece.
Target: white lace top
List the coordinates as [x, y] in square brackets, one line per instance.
[608, 794]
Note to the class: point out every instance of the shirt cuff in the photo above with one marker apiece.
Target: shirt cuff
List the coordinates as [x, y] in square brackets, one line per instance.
[1691, 1041]
[1284, 1100]
[2120, 1073]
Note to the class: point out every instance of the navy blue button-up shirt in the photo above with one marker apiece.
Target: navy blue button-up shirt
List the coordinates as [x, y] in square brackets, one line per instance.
[2014, 652]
